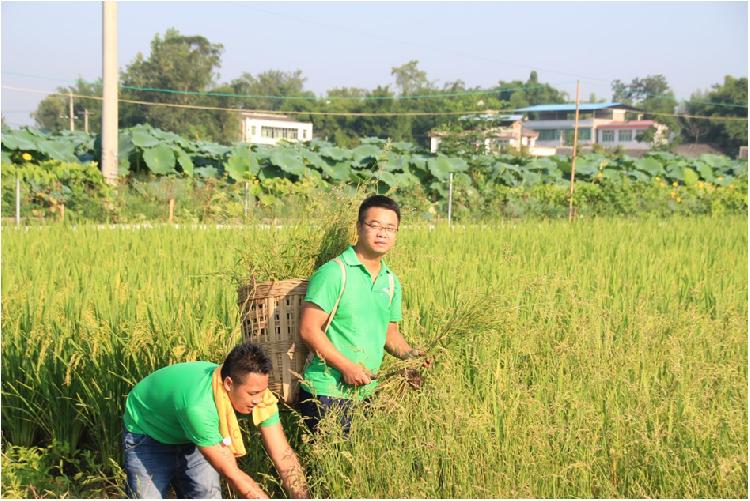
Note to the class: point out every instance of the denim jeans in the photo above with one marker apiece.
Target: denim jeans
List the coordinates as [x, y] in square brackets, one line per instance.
[313, 409]
[152, 467]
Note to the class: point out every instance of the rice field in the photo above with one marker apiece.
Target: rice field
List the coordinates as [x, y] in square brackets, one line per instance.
[604, 358]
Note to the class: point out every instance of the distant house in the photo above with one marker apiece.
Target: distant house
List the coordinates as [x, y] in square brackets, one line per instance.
[598, 123]
[504, 131]
[258, 128]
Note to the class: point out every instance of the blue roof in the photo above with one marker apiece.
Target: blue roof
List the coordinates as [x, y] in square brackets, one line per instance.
[572, 107]
[493, 118]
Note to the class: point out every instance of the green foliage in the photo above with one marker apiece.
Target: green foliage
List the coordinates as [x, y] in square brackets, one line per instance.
[275, 172]
[727, 99]
[608, 359]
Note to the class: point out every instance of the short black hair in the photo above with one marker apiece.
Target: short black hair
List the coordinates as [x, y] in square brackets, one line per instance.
[244, 358]
[381, 201]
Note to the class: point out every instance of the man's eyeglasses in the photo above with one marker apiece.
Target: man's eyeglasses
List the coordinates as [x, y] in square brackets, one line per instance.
[389, 230]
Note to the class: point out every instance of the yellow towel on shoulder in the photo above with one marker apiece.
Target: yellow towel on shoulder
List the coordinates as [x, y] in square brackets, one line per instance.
[228, 425]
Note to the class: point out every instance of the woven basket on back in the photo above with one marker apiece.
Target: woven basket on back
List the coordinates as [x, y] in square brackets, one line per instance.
[270, 314]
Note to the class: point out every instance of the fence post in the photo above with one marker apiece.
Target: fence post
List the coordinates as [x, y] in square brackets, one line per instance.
[171, 210]
[247, 198]
[18, 201]
[450, 198]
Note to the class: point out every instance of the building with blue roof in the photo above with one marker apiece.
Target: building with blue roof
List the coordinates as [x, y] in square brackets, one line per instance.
[610, 124]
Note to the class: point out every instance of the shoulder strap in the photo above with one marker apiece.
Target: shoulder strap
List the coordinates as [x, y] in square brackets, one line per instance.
[341, 293]
[391, 288]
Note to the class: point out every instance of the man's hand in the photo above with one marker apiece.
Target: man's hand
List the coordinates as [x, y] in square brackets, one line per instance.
[223, 461]
[356, 375]
[285, 461]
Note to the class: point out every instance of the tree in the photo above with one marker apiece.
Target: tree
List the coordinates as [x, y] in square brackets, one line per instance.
[52, 111]
[279, 84]
[188, 65]
[651, 94]
[727, 99]
[410, 79]
[521, 94]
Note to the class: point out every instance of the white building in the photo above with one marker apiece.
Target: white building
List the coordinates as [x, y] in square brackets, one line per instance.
[598, 123]
[507, 131]
[260, 128]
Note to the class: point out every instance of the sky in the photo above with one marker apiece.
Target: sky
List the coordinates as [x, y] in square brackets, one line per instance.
[355, 44]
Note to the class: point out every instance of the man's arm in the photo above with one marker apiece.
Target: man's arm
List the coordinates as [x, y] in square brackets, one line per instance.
[396, 345]
[285, 461]
[312, 320]
[223, 461]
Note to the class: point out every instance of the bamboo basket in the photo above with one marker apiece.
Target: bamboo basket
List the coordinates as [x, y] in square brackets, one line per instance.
[270, 313]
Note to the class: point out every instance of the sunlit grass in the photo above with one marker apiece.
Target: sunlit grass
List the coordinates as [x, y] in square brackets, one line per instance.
[607, 358]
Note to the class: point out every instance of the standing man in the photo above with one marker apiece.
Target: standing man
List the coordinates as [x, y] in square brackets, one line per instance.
[366, 296]
[181, 429]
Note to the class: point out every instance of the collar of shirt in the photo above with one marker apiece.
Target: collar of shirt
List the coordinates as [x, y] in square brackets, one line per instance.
[349, 256]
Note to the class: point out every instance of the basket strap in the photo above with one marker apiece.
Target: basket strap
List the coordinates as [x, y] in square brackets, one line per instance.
[341, 293]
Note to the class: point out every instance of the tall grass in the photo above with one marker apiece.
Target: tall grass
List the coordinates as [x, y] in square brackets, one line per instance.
[607, 358]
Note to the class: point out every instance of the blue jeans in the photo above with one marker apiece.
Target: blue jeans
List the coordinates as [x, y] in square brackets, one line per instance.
[152, 467]
[313, 409]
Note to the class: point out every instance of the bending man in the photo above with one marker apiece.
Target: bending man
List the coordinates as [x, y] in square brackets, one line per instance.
[181, 429]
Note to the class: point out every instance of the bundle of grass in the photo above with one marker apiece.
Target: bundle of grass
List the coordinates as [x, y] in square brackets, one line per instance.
[271, 294]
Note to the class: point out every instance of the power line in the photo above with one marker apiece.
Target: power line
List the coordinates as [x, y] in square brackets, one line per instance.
[333, 113]
[437, 95]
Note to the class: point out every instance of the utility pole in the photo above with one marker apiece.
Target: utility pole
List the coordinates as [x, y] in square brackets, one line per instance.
[575, 146]
[86, 120]
[109, 102]
[71, 117]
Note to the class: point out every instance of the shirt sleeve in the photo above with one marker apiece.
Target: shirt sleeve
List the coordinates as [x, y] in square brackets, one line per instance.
[201, 425]
[396, 303]
[325, 286]
[271, 420]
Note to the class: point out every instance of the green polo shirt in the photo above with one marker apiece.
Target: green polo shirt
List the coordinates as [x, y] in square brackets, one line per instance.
[358, 329]
[175, 405]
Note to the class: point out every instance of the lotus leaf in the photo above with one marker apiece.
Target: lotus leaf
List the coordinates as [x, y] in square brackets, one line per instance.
[242, 163]
[20, 140]
[185, 162]
[650, 166]
[335, 153]
[207, 172]
[143, 139]
[705, 171]
[364, 151]
[690, 176]
[159, 159]
[288, 160]
[586, 167]
[57, 150]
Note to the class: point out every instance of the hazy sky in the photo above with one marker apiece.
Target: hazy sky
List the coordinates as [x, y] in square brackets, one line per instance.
[336, 44]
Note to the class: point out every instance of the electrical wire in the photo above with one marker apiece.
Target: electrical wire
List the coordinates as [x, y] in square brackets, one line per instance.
[437, 95]
[342, 114]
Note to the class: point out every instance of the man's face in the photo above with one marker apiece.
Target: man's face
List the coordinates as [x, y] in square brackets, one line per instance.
[247, 394]
[377, 231]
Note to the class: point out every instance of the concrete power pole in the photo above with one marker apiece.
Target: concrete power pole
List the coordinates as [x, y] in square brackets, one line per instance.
[71, 116]
[109, 104]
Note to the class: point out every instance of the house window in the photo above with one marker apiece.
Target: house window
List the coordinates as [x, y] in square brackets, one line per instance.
[304, 133]
[549, 135]
[278, 132]
[625, 136]
[608, 136]
[252, 130]
[639, 134]
[584, 134]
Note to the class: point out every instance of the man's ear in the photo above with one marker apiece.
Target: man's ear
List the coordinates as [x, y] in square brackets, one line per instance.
[227, 383]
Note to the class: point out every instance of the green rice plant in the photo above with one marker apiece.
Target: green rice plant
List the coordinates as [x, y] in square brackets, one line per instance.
[603, 358]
